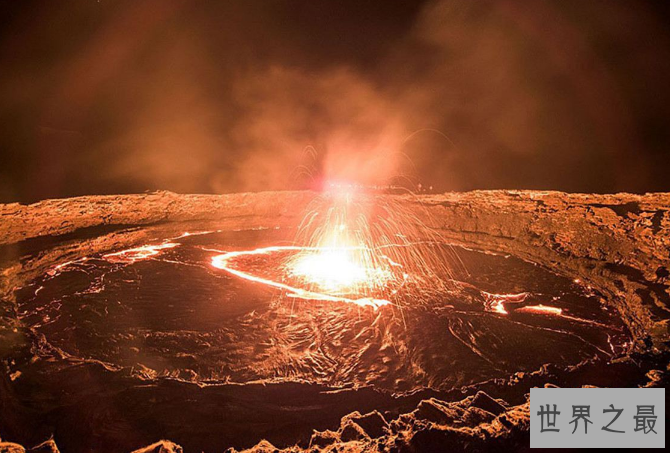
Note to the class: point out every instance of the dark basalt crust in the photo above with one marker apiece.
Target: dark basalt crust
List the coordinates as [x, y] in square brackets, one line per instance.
[618, 244]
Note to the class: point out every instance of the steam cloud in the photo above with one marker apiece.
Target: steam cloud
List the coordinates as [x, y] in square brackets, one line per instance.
[269, 95]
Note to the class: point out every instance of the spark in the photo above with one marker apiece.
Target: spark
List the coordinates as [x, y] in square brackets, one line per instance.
[351, 247]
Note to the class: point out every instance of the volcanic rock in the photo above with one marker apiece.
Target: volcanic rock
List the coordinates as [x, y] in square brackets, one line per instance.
[323, 438]
[48, 446]
[162, 446]
[351, 431]
[9, 447]
[373, 424]
[485, 402]
[437, 412]
[474, 416]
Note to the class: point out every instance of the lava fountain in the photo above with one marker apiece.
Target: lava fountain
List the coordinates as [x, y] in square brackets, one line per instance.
[351, 246]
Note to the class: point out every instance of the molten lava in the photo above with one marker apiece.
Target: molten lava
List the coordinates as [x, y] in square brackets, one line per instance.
[350, 247]
[337, 279]
[337, 270]
[138, 253]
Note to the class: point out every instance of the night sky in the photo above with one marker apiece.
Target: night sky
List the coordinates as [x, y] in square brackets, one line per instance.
[101, 97]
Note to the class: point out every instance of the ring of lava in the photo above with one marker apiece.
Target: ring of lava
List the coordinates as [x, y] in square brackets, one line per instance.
[329, 273]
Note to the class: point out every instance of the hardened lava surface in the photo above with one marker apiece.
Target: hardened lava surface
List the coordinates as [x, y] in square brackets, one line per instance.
[166, 310]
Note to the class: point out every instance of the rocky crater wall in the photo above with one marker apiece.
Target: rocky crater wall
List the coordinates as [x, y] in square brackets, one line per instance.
[619, 244]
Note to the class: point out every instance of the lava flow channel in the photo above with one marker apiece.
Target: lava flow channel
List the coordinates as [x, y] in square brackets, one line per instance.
[332, 274]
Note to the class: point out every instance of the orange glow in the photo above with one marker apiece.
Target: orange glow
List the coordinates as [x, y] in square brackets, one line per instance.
[541, 310]
[352, 247]
[138, 253]
[56, 269]
[337, 270]
[496, 302]
[226, 262]
[339, 262]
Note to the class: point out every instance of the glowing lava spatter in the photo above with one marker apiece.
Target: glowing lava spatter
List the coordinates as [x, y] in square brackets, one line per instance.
[353, 247]
[229, 262]
[337, 269]
[138, 253]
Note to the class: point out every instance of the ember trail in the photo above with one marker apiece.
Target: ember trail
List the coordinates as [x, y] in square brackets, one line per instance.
[351, 247]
